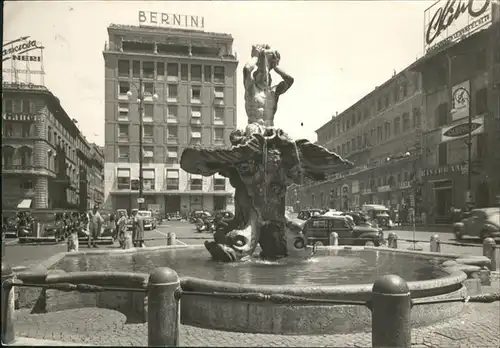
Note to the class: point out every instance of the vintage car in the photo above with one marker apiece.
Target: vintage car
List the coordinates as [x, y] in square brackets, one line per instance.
[149, 222]
[308, 213]
[157, 216]
[318, 229]
[198, 214]
[174, 216]
[361, 219]
[379, 214]
[482, 223]
[9, 223]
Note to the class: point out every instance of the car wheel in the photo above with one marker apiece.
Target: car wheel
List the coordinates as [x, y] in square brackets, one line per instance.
[370, 243]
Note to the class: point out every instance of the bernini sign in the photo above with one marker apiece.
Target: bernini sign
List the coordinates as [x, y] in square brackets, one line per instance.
[162, 19]
[450, 21]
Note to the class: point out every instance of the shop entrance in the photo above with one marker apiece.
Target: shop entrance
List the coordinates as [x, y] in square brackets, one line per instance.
[219, 202]
[172, 204]
[443, 197]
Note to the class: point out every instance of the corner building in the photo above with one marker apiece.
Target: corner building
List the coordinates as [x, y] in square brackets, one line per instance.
[45, 157]
[473, 64]
[381, 134]
[194, 75]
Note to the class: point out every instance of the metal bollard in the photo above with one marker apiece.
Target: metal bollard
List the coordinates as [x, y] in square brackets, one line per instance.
[163, 308]
[8, 333]
[171, 238]
[334, 239]
[489, 250]
[435, 244]
[392, 240]
[391, 313]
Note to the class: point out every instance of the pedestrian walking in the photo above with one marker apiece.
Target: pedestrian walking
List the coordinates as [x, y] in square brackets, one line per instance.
[95, 223]
[121, 227]
[138, 230]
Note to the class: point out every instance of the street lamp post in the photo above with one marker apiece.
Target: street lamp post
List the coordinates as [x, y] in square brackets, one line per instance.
[140, 99]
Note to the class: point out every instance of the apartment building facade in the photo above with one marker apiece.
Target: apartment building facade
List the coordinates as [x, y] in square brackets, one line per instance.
[462, 80]
[41, 165]
[381, 134]
[193, 75]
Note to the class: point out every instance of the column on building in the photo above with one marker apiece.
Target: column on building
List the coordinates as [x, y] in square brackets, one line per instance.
[40, 160]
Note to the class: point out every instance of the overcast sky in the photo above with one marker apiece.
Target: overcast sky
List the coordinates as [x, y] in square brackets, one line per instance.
[337, 51]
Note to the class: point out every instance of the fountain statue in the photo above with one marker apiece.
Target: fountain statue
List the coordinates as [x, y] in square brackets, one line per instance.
[260, 164]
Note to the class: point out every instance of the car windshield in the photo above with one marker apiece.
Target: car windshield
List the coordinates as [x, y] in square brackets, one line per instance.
[493, 215]
[144, 213]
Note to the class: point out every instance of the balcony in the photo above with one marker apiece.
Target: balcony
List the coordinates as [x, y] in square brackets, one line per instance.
[404, 184]
[384, 188]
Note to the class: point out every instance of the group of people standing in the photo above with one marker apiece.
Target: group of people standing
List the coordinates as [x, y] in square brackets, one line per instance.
[121, 232]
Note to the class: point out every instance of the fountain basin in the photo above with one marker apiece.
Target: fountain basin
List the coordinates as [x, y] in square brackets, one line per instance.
[336, 273]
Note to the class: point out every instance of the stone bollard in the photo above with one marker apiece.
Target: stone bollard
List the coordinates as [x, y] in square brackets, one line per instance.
[334, 239]
[8, 294]
[489, 250]
[391, 313]
[392, 240]
[435, 244]
[171, 238]
[128, 243]
[163, 308]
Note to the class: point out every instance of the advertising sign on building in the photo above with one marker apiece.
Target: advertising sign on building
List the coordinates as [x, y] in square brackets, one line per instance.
[460, 100]
[162, 19]
[450, 21]
[461, 130]
[22, 61]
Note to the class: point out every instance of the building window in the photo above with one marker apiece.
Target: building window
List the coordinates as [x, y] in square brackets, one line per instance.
[195, 135]
[172, 93]
[148, 179]
[123, 179]
[207, 76]
[365, 140]
[416, 117]
[196, 73]
[404, 89]
[195, 94]
[26, 106]
[219, 95]
[8, 106]
[348, 148]
[406, 122]
[353, 144]
[218, 115]
[386, 101]
[219, 74]
[26, 130]
[379, 104]
[219, 136]
[442, 154]
[184, 72]
[148, 70]
[172, 71]
[219, 184]
[123, 154]
[367, 113]
[172, 134]
[172, 179]
[172, 156]
[481, 101]
[387, 130]
[172, 114]
[160, 70]
[196, 115]
[136, 68]
[196, 182]
[148, 154]
[123, 88]
[442, 114]
[149, 89]
[123, 68]
[396, 94]
[123, 110]
[379, 134]
[49, 135]
[148, 131]
[123, 132]
[26, 185]
[149, 110]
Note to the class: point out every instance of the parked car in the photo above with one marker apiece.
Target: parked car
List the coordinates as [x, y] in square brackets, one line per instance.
[361, 219]
[379, 214]
[9, 223]
[318, 229]
[197, 214]
[157, 216]
[174, 216]
[149, 222]
[308, 213]
[482, 223]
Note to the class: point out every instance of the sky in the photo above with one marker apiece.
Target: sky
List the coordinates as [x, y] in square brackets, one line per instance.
[337, 51]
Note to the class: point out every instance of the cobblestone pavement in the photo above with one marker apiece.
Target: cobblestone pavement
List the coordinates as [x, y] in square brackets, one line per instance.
[477, 326]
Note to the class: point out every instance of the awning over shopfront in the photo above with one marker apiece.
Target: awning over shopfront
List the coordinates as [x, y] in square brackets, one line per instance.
[148, 173]
[24, 204]
[172, 174]
[123, 173]
[196, 176]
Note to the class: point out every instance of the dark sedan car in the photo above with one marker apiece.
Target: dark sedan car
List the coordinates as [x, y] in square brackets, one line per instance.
[318, 229]
[482, 223]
